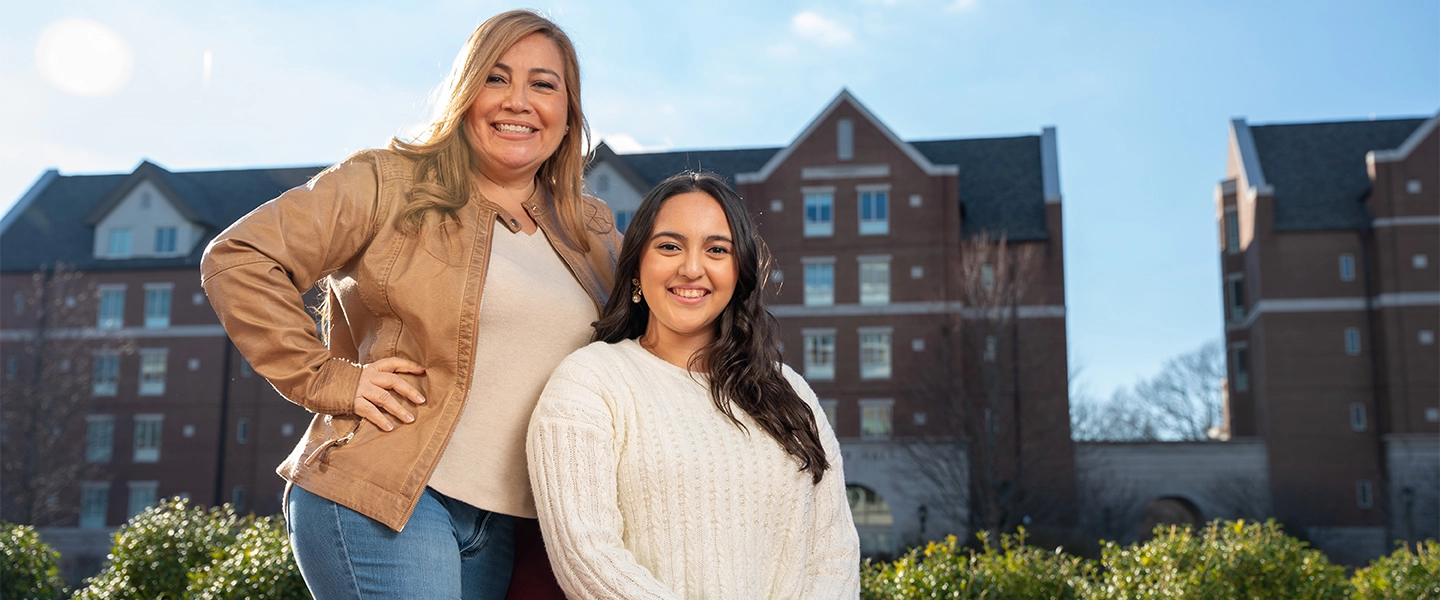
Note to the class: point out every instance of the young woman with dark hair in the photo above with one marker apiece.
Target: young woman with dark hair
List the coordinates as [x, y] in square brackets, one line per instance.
[676, 456]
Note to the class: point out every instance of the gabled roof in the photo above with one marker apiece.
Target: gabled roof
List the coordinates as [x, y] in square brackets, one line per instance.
[53, 225]
[155, 174]
[843, 98]
[654, 167]
[1317, 170]
[603, 154]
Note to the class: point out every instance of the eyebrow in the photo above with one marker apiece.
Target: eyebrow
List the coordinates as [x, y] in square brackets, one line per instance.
[681, 237]
[500, 65]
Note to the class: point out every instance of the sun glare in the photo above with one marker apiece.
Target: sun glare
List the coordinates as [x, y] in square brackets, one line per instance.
[83, 58]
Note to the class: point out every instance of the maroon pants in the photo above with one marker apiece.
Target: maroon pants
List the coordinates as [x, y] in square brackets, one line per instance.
[532, 578]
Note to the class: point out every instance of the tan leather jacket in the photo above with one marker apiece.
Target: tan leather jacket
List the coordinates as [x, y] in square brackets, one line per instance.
[413, 296]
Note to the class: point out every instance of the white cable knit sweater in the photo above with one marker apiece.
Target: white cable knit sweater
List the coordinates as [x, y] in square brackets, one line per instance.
[645, 490]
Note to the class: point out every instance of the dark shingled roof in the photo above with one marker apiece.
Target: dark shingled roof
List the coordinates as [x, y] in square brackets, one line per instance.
[1318, 169]
[1001, 184]
[52, 227]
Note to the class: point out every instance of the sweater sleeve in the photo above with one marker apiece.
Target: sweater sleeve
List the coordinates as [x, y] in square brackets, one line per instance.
[257, 271]
[572, 460]
[832, 553]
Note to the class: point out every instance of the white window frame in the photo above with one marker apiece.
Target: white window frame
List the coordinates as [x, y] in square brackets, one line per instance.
[831, 408]
[877, 355]
[94, 503]
[160, 239]
[1240, 366]
[1352, 341]
[142, 495]
[159, 298]
[1235, 302]
[880, 196]
[1357, 417]
[845, 139]
[823, 199]
[104, 372]
[149, 431]
[874, 279]
[819, 344]
[1231, 225]
[99, 438]
[877, 418]
[1347, 267]
[119, 242]
[110, 313]
[816, 292]
[154, 364]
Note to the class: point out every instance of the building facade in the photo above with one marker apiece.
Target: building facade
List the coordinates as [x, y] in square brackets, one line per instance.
[949, 397]
[1328, 242]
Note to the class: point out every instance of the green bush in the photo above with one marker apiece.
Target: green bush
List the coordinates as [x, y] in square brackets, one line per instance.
[27, 565]
[258, 565]
[154, 552]
[1226, 559]
[1404, 575]
[942, 570]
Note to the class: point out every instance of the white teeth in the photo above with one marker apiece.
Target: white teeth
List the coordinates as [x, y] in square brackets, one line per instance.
[688, 293]
[508, 128]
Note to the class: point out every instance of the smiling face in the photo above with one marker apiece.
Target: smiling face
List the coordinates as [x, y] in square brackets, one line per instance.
[519, 116]
[687, 273]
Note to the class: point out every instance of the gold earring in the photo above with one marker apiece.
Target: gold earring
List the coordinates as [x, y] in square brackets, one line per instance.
[635, 294]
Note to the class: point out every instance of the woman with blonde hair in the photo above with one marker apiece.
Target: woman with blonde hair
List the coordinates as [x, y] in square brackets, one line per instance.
[411, 477]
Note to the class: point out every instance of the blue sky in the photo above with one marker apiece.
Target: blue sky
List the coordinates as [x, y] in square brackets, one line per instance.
[1141, 93]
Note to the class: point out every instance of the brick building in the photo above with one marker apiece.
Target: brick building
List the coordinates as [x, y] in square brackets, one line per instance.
[1328, 242]
[163, 404]
[869, 234]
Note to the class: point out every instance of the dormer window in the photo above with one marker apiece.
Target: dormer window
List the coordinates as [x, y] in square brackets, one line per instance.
[165, 239]
[845, 139]
[118, 244]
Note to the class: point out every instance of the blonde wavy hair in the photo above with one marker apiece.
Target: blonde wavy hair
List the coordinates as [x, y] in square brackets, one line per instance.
[444, 161]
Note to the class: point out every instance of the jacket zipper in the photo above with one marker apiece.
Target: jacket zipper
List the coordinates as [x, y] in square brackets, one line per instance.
[335, 443]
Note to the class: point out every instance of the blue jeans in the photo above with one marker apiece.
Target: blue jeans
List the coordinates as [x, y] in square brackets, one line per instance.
[448, 549]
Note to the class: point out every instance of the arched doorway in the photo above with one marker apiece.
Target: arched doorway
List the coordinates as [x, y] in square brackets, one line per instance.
[873, 521]
[1170, 510]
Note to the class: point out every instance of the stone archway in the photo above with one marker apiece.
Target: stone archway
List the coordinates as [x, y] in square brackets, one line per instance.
[1168, 510]
[873, 521]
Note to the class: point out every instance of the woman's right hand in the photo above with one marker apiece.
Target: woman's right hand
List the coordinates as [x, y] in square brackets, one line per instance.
[382, 394]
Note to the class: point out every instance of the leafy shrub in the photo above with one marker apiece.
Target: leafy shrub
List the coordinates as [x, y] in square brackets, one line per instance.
[1226, 559]
[942, 570]
[156, 550]
[1404, 575]
[27, 565]
[258, 565]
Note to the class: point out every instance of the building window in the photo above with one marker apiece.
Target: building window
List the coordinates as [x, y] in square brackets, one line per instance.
[1357, 416]
[1364, 494]
[1236, 292]
[112, 307]
[987, 277]
[237, 498]
[12, 368]
[152, 371]
[94, 496]
[1347, 267]
[820, 354]
[1352, 341]
[19, 303]
[242, 431]
[105, 373]
[147, 438]
[875, 280]
[118, 243]
[1232, 231]
[1420, 261]
[874, 211]
[1240, 357]
[830, 407]
[819, 213]
[875, 421]
[992, 348]
[875, 353]
[819, 281]
[142, 496]
[157, 304]
[99, 438]
[165, 238]
[844, 140]
[622, 219]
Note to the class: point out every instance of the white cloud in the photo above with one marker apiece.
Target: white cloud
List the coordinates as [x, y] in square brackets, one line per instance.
[821, 30]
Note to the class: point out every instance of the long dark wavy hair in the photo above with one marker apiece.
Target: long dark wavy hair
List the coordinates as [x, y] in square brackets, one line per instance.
[743, 360]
